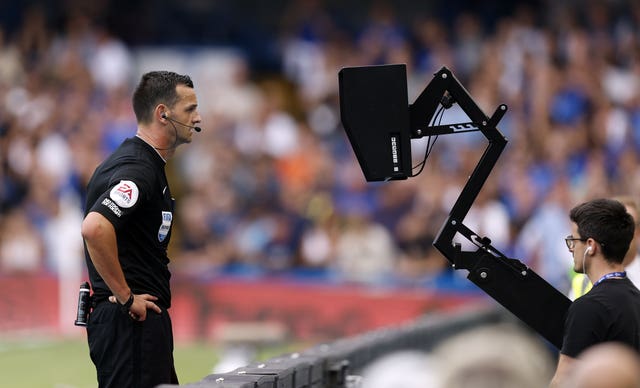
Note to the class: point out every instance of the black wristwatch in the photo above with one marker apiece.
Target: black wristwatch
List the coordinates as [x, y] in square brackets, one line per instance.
[127, 305]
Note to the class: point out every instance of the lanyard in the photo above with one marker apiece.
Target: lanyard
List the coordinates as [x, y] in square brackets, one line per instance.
[622, 274]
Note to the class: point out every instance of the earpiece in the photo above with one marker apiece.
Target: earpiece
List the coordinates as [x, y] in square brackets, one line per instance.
[163, 115]
[584, 261]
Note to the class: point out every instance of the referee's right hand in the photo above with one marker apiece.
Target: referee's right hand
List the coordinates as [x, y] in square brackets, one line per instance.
[141, 302]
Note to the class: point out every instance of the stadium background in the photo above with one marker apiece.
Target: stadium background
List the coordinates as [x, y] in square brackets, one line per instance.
[273, 206]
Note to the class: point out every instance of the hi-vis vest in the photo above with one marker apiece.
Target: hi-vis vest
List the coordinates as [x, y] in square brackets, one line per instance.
[580, 285]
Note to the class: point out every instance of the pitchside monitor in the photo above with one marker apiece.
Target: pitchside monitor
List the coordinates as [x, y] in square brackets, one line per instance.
[374, 110]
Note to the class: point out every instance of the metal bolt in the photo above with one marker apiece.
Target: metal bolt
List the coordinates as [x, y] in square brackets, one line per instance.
[453, 222]
[419, 132]
[444, 75]
[503, 107]
[483, 275]
[484, 123]
[524, 273]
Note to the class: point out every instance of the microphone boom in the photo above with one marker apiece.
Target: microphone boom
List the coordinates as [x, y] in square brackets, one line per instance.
[197, 129]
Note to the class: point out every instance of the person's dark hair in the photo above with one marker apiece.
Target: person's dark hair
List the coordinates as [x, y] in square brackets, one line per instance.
[157, 87]
[607, 222]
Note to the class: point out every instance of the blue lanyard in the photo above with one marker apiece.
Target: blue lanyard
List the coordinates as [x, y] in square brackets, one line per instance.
[622, 274]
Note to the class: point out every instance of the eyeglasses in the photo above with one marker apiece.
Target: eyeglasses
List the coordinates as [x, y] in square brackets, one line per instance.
[571, 241]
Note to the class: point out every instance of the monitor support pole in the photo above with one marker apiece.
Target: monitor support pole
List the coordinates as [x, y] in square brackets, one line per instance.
[511, 283]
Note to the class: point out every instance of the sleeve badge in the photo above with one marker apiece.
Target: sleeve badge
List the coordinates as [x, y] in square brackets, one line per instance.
[125, 194]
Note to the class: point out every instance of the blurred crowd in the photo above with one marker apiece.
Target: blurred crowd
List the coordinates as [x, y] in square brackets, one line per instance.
[500, 355]
[271, 185]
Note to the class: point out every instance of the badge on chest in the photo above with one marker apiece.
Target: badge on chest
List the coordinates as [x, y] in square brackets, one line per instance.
[167, 217]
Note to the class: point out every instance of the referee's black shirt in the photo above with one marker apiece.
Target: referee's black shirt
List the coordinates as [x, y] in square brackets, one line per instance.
[130, 189]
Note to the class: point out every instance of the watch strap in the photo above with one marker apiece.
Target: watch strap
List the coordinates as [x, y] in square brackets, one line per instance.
[127, 305]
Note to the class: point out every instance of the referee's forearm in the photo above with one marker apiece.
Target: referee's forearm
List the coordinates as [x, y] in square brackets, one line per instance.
[100, 237]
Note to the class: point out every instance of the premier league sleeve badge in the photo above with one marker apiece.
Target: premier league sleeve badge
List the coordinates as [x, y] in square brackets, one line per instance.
[125, 194]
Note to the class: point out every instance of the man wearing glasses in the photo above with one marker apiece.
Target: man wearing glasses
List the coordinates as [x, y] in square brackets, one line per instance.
[580, 283]
[602, 230]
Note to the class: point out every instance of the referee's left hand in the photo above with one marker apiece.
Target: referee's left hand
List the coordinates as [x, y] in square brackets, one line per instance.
[141, 302]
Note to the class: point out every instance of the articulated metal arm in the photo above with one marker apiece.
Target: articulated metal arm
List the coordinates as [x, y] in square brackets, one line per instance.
[508, 281]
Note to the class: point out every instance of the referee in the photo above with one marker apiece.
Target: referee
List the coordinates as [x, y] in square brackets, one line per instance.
[126, 231]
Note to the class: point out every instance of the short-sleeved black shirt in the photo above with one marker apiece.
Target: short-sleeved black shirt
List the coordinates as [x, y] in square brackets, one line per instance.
[130, 189]
[610, 311]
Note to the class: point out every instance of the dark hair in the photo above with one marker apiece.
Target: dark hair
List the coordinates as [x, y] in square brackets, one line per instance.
[608, 222]
[157, 87]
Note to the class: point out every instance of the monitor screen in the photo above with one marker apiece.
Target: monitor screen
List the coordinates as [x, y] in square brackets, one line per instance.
[374, 110]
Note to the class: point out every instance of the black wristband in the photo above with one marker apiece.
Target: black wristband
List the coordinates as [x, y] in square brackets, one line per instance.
[127, 305]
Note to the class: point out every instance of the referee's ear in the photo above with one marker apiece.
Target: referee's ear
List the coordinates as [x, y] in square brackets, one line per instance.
[161, 113]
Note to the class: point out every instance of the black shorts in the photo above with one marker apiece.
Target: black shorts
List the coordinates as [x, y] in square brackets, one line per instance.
[127, 353]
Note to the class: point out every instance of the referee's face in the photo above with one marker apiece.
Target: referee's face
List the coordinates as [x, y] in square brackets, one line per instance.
[185, 111]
